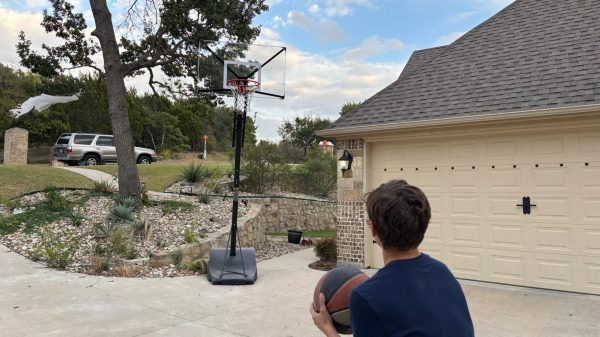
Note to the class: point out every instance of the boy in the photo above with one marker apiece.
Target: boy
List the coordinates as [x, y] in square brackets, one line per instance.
[413, 294]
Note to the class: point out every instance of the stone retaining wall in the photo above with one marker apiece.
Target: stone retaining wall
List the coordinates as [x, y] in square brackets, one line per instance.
[268, 215]
[279, 215]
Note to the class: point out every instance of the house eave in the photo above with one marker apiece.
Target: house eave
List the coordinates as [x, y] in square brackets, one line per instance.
[345, 132]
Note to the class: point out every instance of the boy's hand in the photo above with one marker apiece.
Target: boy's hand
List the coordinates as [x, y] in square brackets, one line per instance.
[322, 319]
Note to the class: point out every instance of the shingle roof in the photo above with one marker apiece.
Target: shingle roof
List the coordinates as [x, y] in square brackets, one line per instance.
[420, 58]
[534, 54]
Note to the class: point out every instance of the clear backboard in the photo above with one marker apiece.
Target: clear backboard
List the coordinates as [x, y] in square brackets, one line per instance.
[219, 62]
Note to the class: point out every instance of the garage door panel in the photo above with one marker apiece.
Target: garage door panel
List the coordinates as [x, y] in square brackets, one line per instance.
[434, 233]
[591, 210]
[464, 206]
[506, 235]
[553, 271]
[428, 153]
[590, 179]
[590, 275]
[465, 180]
[505, 208]
[466, 263]
[433, 250]
[551, 209]
[553, 239]
[548, 148]
[429, 180]
[465, 234]
[589, 144]
[465, 152]
[507, 267]
[550, 179]
[505, 179]
[503, 150]
[589, 240]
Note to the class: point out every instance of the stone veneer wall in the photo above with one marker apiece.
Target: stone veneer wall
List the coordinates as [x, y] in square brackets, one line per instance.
[270, 215]
[351, 209]
[15, 146]
[279, 215]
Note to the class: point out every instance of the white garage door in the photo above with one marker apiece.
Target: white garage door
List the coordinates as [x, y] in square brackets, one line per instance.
[475, 185]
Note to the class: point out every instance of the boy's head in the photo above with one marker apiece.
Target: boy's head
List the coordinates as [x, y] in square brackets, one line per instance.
[399, 213]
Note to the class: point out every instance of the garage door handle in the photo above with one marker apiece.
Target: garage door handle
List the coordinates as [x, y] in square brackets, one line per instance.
[526, 205]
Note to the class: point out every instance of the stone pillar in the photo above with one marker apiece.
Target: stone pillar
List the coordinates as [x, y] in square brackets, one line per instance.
[16, 141]
[351, 208]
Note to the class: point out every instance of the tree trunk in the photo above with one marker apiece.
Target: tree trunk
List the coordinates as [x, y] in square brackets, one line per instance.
[129, 181]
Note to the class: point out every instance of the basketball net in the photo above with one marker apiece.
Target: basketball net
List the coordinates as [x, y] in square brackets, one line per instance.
[242, 89]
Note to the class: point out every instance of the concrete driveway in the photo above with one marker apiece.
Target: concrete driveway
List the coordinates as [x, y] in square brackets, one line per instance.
[36, 301]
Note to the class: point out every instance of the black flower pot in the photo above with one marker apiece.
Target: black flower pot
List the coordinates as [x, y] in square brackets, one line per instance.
[294, 236]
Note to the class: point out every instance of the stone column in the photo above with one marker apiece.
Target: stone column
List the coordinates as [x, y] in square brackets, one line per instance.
[351, 209]
[16, 141]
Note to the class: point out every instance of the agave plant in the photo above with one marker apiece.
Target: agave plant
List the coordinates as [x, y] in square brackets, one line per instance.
[130, 201]
[142, 228]
[120, 213]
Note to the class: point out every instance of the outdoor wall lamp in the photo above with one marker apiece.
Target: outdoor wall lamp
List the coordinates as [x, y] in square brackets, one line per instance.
[346, 161]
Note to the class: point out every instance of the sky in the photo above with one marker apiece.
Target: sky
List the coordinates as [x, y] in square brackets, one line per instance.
[338, 51]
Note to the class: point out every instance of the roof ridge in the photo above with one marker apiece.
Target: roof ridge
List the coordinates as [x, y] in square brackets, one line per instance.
[450, 46]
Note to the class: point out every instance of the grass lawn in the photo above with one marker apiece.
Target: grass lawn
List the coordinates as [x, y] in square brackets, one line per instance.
[17, 180]
[157, 176]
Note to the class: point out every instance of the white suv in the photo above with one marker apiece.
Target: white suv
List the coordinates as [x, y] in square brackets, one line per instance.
[93, 149]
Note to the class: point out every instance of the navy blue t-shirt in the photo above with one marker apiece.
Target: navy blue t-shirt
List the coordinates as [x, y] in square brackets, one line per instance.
[415, 297]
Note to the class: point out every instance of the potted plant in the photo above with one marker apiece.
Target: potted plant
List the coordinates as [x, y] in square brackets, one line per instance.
[294, 236]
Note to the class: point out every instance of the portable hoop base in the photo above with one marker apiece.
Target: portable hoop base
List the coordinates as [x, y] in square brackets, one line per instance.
[232, 270]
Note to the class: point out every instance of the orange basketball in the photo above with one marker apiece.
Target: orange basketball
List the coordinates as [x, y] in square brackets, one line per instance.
[337, 285]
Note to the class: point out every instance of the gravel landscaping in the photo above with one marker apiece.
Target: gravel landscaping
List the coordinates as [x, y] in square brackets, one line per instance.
[171, 220]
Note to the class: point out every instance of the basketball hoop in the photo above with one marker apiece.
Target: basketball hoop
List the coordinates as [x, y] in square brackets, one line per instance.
[243, 86]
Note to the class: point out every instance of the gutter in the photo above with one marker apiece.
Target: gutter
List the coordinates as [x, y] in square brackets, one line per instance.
[505, 116]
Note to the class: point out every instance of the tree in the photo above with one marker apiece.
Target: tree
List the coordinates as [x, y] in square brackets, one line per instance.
[161, 35]
[301, 132]
[349, 107]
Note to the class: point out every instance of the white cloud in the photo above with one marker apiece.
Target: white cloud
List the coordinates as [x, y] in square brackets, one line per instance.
[461, 16]
[344, 7]
[319, 85]
[11, 24]
[372, 46]
[323, 30]
[36, 4]
[449, 38]
[278, 22]
[314, 9]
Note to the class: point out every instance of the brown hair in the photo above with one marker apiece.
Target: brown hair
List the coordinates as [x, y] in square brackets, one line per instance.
[400, 214]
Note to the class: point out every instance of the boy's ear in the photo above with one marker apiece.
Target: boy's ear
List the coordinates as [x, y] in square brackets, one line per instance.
[373, 229]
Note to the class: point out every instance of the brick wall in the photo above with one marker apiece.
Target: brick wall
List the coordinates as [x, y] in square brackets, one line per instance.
[351, 209]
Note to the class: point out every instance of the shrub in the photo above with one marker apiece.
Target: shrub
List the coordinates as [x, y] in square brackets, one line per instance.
[76, 217]
[196, 173]
[264, 167]
[188, 234]
[325, 249]
[199, 265]
[55, 201]
[120, 213]
[317, 175]
[99, 263]
[56, 250]
[103, 231]
[204, 198]
[177, 257]
[142, 228]
[103, 186]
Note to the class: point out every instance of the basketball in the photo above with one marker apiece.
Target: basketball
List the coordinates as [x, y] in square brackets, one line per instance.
[337, 285]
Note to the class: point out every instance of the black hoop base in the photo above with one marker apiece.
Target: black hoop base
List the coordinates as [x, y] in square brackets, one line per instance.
[232, 270]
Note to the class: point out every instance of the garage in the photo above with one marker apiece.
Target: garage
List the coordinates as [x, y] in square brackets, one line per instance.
[501, 129]
[482, 227]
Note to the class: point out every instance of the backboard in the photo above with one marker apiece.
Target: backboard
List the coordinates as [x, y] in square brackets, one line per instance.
[219, 62]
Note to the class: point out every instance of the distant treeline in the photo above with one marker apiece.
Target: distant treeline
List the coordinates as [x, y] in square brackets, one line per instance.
[157, 122]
